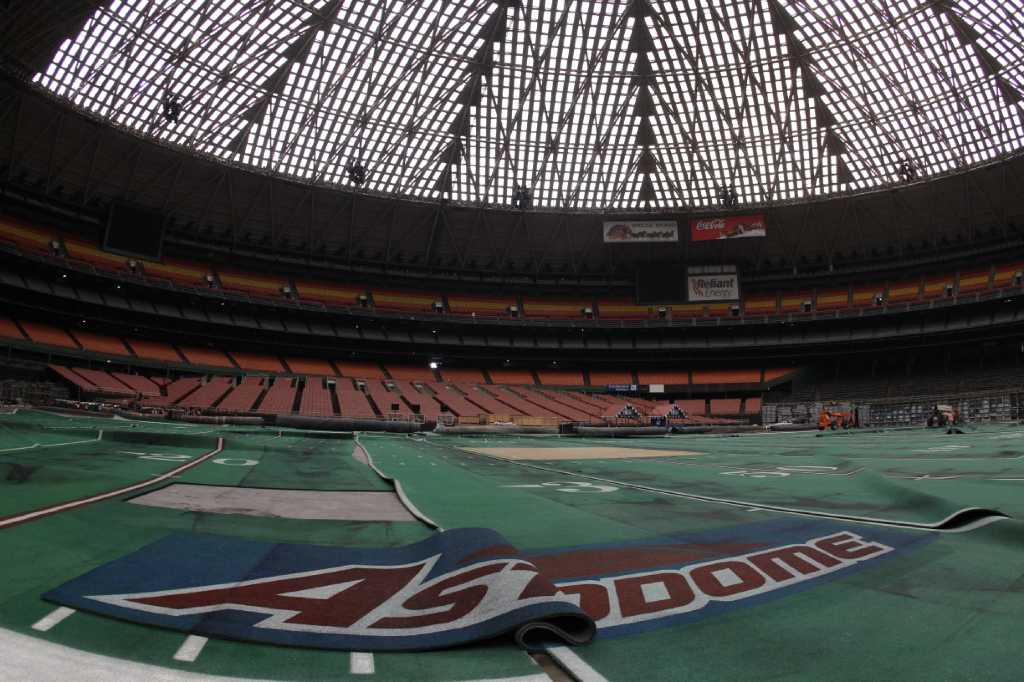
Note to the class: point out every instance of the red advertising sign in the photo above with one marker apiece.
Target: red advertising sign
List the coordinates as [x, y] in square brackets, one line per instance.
[728, 227]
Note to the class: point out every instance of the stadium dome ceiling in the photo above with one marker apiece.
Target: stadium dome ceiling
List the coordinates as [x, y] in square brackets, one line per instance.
[591, 105]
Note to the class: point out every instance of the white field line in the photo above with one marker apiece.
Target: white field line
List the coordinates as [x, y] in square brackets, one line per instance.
[577, 667]
[190, 649]
[360, 663]
[46, 511]
[36, 446]
[48, 621]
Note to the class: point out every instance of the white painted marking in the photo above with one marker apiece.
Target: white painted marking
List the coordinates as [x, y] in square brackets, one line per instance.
[236, 462]
[46, 511]
[47, 622]
[576, 666]
[654, 592]
[190, 649]
[726, 577]
[360, 663]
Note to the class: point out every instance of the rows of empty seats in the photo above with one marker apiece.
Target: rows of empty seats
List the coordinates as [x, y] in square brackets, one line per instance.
[316, 401]
[242, 397]
[280, 399]
[36, 239]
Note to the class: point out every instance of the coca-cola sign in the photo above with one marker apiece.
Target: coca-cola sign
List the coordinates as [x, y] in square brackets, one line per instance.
[729, 227]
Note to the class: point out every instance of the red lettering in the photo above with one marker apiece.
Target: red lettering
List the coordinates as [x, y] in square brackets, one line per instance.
[632, 601]
[459, 602]
[593, 598]
[848, 546]
[747, 578]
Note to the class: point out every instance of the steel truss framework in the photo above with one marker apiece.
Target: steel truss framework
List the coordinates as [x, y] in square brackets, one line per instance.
[612, 104]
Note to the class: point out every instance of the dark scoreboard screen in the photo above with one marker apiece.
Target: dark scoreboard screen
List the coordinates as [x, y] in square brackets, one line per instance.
[134, 231]
[661, 284]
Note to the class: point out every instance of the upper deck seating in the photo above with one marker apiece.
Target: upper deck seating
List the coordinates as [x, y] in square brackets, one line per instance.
[310, 367]
[111, 345]
[555, 308]
[205, 356]
[793, 301]
[26, 237]
[760, 305]
[560, 377]
[938, 287]
[154, 350]
[316, 401]
[972, 281]
[179, 272]
[1006, 275]
[87, 253]
[899, 292]
[460, 375]
[258, 362]
[625, 309]
[360, 370]
[511, 376]
[605, 377]
[49, 335]
[727, 376]
[832, 299]
[666, 377]
[488, 306]
[410, 372]
[252, 284]
[774, 373]
[330, 293]
[404, 301]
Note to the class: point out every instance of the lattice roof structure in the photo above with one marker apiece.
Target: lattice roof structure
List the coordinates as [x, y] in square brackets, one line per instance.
[657, 104]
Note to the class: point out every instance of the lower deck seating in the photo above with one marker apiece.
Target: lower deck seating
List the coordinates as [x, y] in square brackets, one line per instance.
[727, 376]
[74, 377]
[280, 398]
[725, 406]
[207, 395]
[455, 400]
[388, 403]
[242, 397]
[505, 395]
[488, 403]
[105, 383]
[353, 402]
[174, 391]
[316, 401]
[512, 376]
[9, 329]
[560, 377]
[410, 372]
[419, 402]
[141, 385]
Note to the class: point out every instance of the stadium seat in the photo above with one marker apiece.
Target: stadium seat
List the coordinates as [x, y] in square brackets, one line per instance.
[209, 357]
[9, 329]
[257, 362]
[48, 335]
[606, 377]
[480, 305]
[360, 370]
[154, 350]
[410, 372]
[727, 376]
[460, 375]
[666, 377]
[101, 344]
[310, 367]
[560, 377]
[511, 376]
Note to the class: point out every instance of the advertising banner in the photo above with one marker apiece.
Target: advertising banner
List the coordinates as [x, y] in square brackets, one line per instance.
[729, 227]
[724, 287]
[640, 231]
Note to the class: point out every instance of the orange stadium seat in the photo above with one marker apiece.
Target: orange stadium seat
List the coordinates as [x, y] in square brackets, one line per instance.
[208, 394]
[405, 301]
[138, 383]
[154, 350]
[316, 400]
[257, 362]
[679, 376]
[685, 310]
[251, 283]
[360, 370]
[95, 256]
[604, 377]
[903, 291]
[1005, 275]
[51, 336]
[936, 287]
[352, 401]
[725, 406]
[480, 305]
[26, 237]
[9, 329]
[774, 373]
[720, 309]
[560, 377]
[973, 281]
[280, 398]
[511, 376]
[793, 301]
[104, 382]
[752, 406]
[760, 305]
[553, 308]
[831, 299]
[101, 344]
[205, 356]
[410, 372]
[179, 272]
[330, 294]
[727, 376]
[310, 367]
[460, 375]
[78, 380]
[243, 396]
[625, 309]
[692, 407]
[864, 296]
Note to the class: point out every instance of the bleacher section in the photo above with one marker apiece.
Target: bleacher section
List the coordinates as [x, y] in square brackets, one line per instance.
[48, 335]
[242, 397]
[419, 402]
[101, 344]
[310, 367]
[154, 350]
[35, 239]
[205, 356]
[360, 370]
[174, 391]
[280, 398]
[560, 377]
[258, 362]
[410, 372]
[353, 402]
[388, 403]
[459, 375]
[511, 376]
[316, 401]
[207, 395]
[454, 400]
[141, 385]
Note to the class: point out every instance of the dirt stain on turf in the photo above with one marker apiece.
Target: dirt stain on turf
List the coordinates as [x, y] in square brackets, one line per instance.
[19, 473]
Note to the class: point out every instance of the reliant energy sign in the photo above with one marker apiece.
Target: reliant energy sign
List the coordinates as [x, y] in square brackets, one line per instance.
[724, 287]
[730, 227]
[640, 231]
